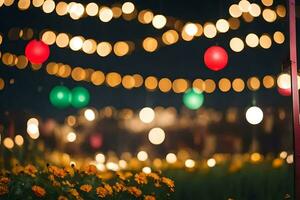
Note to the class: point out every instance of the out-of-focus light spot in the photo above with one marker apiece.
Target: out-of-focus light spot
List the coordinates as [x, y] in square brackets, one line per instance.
[211, 162]
[236, 44]
[290, 159]
[19, 140]
[171, 158]
[254, 115]
[8, 143]
[146, 170]
[71, 137]
[283, 155]
[100, 158]
[159, 21]
[142, 156]
[105, 14]
[127, 7]
[156, 136]
[189, 163]
[89, 114]
[147, 115]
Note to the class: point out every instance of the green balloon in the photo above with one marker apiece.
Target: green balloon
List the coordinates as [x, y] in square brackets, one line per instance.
[193, 99]
[80, 97]
[60, 97]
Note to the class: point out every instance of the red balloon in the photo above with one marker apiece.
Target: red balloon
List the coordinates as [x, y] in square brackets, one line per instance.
[37, 52]
[215, 58]
[284, 91]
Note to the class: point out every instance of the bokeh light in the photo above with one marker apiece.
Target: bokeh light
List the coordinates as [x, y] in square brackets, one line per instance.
[254, 115]
[147, 115]
[156, 136]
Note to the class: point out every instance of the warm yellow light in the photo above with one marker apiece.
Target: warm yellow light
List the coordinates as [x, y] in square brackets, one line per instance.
[235, 11]
[165, 85]
[62, 40]
[113, 79]
[104, 49]
[37, 3]
[211, 162]
[234, 23]
[278, 37]
[49, 37]
[117, 11]
[78, 74]
[61, 8]
[199, 84]
[290, 159]
[252, 40]
[151, 83]
[186, 37]
[269, 15]
[23, 4]
[171, 158]
[112, 166]
[189, 163]
[267, 2]
[145, 16]
[97, 78]
[244, 5]
[159, 21]
[71, 120]
[138, 80]
[210, 85]
[265, 41]
[19, 140]
[76, 43]
[283, 155]
[89, 115]
[180, 85]
[100, 158]
[147, 115]
[32, 129]
[238, 85]
[33, 121]
[2, 84]
[253, 83]
[255, 157]
[8, 2]
[75, 10]
[71, 137]
[8, 143]
[48, 6]
[224, 85]
[236, 44]
[222, 25]
[89, 46]
[209, 30]
[92, 9]
[146, 170]
[105, 14]
[191, 29]
[150, 44]
[142, 156]
[268, 81]
[121, 48]
[127, 7]
[122, 164]
[254, 10]
[156, 136]
[281, 11]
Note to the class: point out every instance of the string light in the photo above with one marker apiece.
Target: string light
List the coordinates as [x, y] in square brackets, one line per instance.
[100, 158]
[8, 143]
[146, 170]
[19, 140]
[142, 156]
[189, 163]
[191, 29]
[171, 158]
[156, 136]
[236, 44]
[222, 25]
[159, 21]
[105, 14]
[211, 162]
[147, 115]
[127, 7]
[209, 30]
[254, 115]
[71, 137]
[89, 114]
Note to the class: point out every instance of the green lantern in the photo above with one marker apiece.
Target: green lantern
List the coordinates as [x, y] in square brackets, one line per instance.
[60, 97]
[193, 99]
[80, 97]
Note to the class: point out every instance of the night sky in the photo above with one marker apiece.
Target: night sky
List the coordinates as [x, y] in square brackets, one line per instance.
[30, 91]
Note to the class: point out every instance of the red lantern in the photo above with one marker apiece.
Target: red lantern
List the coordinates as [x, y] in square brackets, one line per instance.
[215, 58]
[37, 52]
[284, 91]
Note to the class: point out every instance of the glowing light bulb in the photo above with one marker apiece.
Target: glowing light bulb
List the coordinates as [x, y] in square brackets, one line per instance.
[189, 163]
[156, 136]
[159, 21]
[211, 162]
[71, 137]
[254, 115]
[147, 115]
[89, 114]
[191, 29]
[171, 158]
[142, 156]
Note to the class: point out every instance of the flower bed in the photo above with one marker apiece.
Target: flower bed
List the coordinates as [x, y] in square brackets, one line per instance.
[70, 183]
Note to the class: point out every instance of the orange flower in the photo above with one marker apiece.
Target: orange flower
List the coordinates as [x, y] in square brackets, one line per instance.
[118, 187]
[30, 170]
[17, 169]
[154, 176]
[62, 198]
[38, 191]
[4, 180]
[134, 191]
[86, 188]
[91, 169]
[74, 193]
[108, 188]
[3, 189]
[141, 178]
[168, 182]
[149, 197]
[124, 176]
[70, 170]
[101, 192]
[57, 171]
